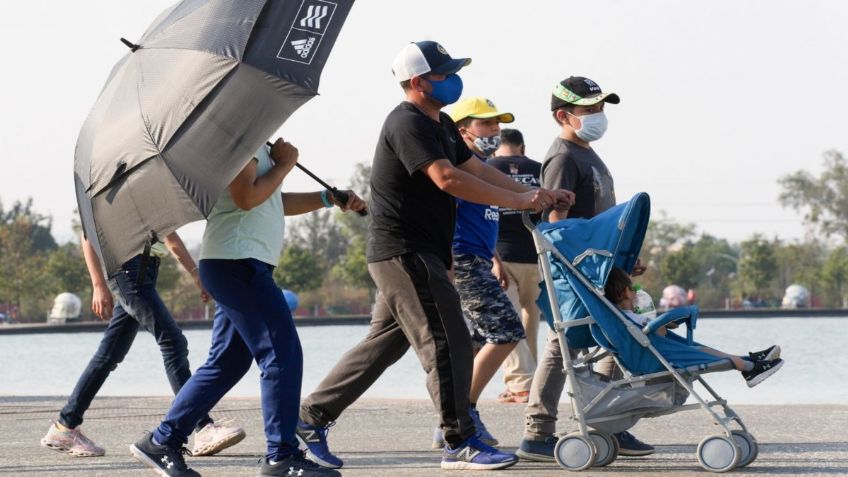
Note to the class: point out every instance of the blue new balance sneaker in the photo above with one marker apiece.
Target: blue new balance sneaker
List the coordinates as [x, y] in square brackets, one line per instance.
[315, 440]
[631, 446]
[538, 450]
[473, 454]
[482, 432]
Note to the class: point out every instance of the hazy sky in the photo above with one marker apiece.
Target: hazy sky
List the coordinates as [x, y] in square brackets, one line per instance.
[719, 98]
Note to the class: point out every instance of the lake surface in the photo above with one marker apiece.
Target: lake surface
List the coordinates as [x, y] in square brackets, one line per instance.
[815, 350]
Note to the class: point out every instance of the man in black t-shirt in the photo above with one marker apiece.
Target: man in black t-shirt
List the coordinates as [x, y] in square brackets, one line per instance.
[420, 164]
[518, 254]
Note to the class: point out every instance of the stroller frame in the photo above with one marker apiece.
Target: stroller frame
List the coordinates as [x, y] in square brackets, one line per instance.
[586, 448]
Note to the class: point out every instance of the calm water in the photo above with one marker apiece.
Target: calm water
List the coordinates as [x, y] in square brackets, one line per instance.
[816, 369]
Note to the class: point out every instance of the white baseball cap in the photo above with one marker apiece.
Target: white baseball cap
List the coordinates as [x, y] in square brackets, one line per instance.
[421, 57]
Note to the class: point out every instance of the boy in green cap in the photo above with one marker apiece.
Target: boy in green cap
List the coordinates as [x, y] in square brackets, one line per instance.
[577, 105]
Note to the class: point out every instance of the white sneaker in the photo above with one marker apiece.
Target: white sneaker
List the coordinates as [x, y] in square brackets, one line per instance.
[72, 441]
[217, 436]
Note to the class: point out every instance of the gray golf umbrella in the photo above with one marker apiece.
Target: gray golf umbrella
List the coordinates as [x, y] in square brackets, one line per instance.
[187, 107]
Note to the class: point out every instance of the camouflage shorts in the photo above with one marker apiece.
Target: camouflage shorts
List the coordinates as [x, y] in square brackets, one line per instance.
[485, 304]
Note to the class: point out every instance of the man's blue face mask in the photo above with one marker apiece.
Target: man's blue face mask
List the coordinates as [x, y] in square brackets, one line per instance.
[448, 90]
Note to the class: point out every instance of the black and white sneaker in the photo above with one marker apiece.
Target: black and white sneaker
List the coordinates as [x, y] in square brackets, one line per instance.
[769, 354]
[762, 370]
[295, 465]
[166, 461]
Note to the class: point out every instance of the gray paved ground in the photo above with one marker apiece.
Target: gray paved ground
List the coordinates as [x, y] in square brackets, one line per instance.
[391, 438]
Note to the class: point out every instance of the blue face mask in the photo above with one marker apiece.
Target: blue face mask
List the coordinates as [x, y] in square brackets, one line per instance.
[448, 90]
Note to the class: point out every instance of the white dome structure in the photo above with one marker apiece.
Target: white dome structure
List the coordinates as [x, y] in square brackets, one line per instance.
[796, 296]
[66, 306]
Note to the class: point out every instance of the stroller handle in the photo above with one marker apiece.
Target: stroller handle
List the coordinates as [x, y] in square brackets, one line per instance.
[527, 220]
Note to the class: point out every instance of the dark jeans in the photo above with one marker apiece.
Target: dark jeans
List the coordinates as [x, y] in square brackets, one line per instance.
[252, 322]
[138, 305]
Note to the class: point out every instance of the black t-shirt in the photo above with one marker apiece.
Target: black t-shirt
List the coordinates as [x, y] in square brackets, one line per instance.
[580, 170]
[408, 212]
[515, 244]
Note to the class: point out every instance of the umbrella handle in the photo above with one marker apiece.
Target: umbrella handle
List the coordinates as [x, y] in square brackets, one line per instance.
[340, 196]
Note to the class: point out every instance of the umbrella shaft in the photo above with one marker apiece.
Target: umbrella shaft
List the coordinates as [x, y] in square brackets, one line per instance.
[341, 196]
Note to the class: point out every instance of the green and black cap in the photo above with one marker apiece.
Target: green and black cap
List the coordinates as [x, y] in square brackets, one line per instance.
[579, 91]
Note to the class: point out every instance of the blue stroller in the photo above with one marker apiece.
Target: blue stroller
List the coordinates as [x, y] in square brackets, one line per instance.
[576, 256]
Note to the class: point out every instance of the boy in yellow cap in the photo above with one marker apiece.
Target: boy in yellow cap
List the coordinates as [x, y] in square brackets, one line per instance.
[479, 276]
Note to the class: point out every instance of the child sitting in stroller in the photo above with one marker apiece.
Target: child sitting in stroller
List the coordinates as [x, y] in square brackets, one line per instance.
[755, 368]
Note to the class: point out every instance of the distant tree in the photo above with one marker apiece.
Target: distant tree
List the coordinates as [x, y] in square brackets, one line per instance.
[299, 269]
[25, 241]
[354, 225]
[680, 268]
[663, 237]
[183, 297]
[834, 278]
[67, 271]
[717, 260]
[664, 233]
[757, 267]
[23, 281]
[799, 263]
[319, 234]
[38, 225]
[824, 199]
[352, 269]
[169, 279]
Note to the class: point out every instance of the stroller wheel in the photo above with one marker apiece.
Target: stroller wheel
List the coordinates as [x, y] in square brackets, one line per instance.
[747, 445]
[606, 448]
[718, 453]
[574, 452]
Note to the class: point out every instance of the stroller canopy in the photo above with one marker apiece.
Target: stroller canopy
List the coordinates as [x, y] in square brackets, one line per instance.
[594, 246]
[611, 239]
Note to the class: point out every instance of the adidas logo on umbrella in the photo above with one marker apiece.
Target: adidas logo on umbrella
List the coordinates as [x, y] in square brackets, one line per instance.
[304, 46]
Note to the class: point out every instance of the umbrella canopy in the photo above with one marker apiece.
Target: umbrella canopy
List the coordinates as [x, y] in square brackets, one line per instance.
[185, 110]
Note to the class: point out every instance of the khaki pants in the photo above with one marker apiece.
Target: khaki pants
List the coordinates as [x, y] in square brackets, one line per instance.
[540, 416]
[523, 291]
[417, 306]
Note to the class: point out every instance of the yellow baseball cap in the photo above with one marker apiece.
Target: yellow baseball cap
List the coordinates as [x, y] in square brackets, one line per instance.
[479, 107]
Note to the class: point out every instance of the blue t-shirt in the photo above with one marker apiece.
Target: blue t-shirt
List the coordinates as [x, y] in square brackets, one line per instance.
[476, 228]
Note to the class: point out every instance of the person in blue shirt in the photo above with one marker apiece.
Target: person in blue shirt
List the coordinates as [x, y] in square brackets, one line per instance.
[479, 275]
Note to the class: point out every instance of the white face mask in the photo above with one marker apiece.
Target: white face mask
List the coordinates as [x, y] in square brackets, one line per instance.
[592, 126]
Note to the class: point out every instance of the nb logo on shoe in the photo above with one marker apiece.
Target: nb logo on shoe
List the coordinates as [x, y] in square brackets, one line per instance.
[468, 454]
